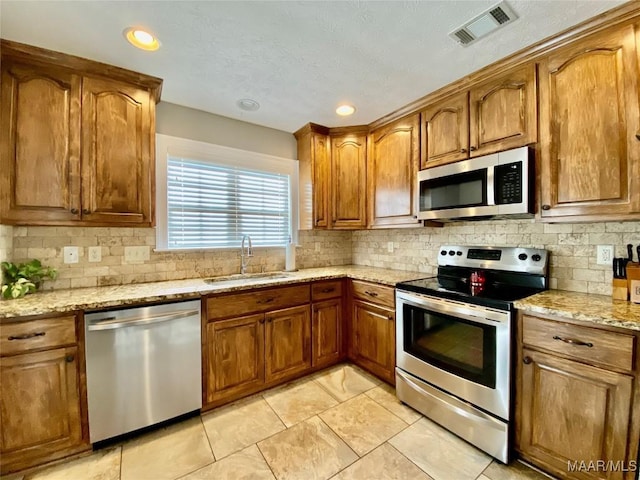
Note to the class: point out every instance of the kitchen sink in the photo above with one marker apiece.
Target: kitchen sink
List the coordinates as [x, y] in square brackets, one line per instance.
[238, 277]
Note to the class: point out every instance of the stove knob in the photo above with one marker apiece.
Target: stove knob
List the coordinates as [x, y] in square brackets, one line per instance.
[523, 256]
[459, 253]
[443, 252]
[536, 257]
[452, 253]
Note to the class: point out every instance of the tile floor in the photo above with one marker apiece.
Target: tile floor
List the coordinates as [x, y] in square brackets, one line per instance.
[340, 423]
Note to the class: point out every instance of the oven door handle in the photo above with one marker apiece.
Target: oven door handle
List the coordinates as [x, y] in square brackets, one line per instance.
[484, 316]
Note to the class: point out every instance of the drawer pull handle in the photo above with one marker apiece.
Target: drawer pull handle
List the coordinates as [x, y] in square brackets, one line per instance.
[27, 336]
[69, 358]
[328, 290]
[573, 341]
[371, 294]
[266, 300]
[526, 360]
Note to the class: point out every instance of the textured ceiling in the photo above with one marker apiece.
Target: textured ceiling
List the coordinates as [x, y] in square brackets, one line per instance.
[299, 60]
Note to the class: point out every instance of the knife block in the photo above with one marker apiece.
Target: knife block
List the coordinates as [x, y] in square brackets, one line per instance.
[620, 290]
[633, 281]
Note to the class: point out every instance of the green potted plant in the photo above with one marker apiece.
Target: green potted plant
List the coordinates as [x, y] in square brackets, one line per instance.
[20, 279]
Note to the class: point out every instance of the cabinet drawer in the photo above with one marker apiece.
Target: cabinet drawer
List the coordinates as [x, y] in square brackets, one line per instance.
[325, 290]
[371, 292]
[18, 337]
[590, 345]
[225, 306]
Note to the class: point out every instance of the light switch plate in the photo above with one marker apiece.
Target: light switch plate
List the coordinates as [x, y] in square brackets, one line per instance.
[95, 254]
[136, 254]
[70, 254]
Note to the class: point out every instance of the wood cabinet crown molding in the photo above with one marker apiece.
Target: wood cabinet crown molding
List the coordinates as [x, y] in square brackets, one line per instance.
[43, 57]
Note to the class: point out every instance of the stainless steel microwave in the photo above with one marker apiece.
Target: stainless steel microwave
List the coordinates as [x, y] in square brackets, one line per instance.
[497, 185]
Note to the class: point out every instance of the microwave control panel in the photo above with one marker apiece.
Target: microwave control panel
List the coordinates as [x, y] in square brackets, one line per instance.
[508, 183]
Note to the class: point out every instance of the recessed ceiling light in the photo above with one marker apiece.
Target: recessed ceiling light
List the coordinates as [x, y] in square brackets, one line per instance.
[248, 104]
[345, 110]
[140, 38]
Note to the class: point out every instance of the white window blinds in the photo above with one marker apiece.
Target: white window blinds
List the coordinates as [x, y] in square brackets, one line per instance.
[213, 205]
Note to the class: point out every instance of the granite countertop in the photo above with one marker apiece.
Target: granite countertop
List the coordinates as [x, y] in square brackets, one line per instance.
[96, 298]
[599, 309]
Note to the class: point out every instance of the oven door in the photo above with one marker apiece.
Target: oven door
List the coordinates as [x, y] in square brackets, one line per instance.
[461, 348]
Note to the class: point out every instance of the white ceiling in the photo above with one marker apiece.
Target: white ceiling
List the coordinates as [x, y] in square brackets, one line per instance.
[298, 59]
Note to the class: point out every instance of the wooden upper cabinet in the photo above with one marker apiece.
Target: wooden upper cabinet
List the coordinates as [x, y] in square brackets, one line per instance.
[40, 130]
[117, 152]
[78, 140]
[589, 117]
[503, 113]
[348, 181]
[315, 176]
[392, 164]
[445, 131]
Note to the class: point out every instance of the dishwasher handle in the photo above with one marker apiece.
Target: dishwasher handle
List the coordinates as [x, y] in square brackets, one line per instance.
[111, 323]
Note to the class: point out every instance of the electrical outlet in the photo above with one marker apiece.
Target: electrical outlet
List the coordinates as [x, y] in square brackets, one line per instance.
[136, 254]
[95, 254]
[390, 247]
[70, 254]
[605, 255]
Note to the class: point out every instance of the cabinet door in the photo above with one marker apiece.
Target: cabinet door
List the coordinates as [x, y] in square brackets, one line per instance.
[374, 339]
[39, 406]
[445, 131]
[118, 140]
[590, 156]
[572, 411]
[348, 181]
[392, 163]
[235, 356]
[327, 332]
[321, 179]
[288, 342]
[503, 113]
[40, 132]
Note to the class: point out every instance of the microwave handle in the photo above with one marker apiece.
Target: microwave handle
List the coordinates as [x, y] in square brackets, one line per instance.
[491, 197]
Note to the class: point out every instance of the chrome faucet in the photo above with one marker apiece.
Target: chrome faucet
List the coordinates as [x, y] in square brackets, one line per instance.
[245, 256]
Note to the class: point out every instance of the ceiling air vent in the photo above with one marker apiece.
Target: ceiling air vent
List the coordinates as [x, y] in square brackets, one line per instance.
[485, 23]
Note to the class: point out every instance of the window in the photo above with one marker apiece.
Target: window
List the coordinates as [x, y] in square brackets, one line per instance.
[210, 196]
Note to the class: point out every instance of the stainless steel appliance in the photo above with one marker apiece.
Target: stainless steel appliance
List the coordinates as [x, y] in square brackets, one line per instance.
[497, 185]
[143, 366]
[454, 339]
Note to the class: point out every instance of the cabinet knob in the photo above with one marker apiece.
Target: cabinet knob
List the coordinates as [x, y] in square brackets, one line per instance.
[638, 135]
[463, 150]
[74, 211]
[390, 317]
[261, 320]
[69, 358]
[546, 207]
[86, 211]
[472, 149]
[526, 360]
[269, 319]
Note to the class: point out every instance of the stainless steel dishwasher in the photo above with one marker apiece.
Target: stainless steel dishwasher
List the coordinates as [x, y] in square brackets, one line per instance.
[143, 366]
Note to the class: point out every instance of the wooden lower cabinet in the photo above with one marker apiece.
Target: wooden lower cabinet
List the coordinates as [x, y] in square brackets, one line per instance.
[41, 414]
[288, 342]
[236, 356]
[373, 339]
[573, 412]
[327, 332]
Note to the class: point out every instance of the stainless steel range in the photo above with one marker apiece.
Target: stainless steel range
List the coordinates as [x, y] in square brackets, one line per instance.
[454, 339]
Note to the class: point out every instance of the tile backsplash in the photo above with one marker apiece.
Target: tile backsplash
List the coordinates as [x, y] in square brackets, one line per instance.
[315, 249]
[6, 243]
[572, 246]
[573, 251]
